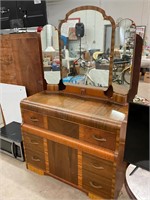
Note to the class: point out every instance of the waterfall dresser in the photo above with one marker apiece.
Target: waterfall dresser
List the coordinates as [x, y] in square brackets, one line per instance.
[77, 140]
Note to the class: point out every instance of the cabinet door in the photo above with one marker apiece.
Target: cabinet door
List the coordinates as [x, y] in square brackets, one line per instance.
[63, 161]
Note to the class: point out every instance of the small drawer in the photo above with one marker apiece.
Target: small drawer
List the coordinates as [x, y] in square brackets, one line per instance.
[36, 159]
[33, 142]
[33, 118]
[98, 137]
[97, 165]
[63, 127]
[97, 185]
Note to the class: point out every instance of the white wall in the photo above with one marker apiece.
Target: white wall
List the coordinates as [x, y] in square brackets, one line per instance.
[56, 11]
[137, 10]
[94, 30]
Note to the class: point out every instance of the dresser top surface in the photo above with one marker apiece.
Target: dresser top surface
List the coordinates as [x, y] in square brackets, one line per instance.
[74, 105]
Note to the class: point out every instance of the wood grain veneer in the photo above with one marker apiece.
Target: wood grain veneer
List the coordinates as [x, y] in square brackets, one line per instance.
[98, 185]
[21, 61]
[76, 144]
[80, 169]
[33, 142]
[98, 166]
[63, 161]
[34, 118]
[93, 93]
[35, 169]
[63, 127]
[99, 137]
[94, 113]
[36, 159]
[69, 128]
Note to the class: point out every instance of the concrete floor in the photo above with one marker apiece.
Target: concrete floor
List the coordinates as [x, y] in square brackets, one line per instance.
[144, 90]
[18, 183]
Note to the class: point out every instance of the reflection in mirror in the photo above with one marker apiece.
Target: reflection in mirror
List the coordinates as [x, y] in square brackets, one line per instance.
[86, 48]
[50, 52]
[125, 35]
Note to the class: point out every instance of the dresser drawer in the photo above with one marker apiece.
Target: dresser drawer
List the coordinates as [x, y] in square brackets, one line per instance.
[97, 165]
[33, 142]
[33, 118]
[98, 137]
[63, 127]
[35, 158]
[96, 184]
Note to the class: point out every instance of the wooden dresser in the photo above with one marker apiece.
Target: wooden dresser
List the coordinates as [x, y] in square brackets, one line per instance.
[21, 61]
[77, 140]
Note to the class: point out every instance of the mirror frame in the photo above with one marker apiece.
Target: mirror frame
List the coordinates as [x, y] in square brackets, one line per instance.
[109, 18]
[136, 63]
[136, 68]
[95, 92]
[117, 86]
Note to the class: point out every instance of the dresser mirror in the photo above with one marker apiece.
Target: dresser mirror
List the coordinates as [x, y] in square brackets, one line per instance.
[50, 54]
[125, 40]
[86, 46]
[83, 55]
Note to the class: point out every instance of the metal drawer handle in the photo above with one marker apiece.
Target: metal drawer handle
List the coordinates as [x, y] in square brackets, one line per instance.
[34, 119]
[95, 186]
[97, 167]
[33, 142]
[99, 139]
[35, 159]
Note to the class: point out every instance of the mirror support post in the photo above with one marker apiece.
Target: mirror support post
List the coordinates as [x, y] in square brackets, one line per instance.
[109, 91]
[136, 68]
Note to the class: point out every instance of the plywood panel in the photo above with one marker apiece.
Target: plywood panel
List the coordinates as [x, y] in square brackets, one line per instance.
[10, 98]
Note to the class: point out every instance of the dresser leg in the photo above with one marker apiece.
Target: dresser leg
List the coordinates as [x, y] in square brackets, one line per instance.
[94, 197]
[34, 169]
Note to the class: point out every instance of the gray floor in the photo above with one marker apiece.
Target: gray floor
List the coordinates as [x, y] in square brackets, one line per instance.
[144, 90]
[18, 183]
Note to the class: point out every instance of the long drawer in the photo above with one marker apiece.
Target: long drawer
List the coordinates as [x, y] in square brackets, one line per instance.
[34, 150]
[57, 125]
[33, 118]
[36, 159]
[33, 142]
[98, 137]
[97, 184]
[97, 166]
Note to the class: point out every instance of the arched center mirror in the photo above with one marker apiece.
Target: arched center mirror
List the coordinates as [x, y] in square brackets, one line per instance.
[86, 47]
[90, 55]
[50, 54]
[125, 41]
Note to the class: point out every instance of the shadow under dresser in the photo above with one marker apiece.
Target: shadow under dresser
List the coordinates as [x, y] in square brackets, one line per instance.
[76, 140]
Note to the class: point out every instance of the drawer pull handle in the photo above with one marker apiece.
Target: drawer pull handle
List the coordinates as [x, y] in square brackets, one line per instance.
[99, 139]
[95, 186]
[34, 119]
[35, 159]
[97, 167]
[33, 142]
